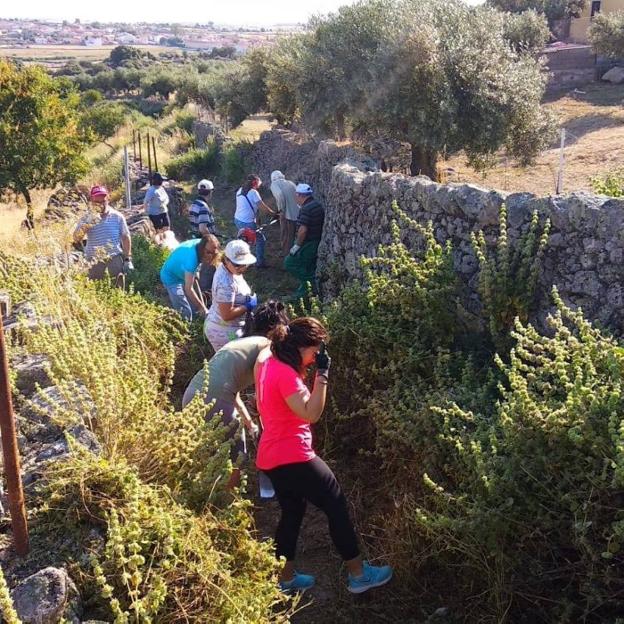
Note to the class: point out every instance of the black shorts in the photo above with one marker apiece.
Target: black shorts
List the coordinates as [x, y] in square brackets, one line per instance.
[160, 221]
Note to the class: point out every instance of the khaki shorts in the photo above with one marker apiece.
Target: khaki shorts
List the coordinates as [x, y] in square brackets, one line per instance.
[114, 266]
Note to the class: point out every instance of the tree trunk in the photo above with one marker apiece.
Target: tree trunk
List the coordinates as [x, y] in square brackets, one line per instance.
[30, 213]
[424, 162]
[340, 125]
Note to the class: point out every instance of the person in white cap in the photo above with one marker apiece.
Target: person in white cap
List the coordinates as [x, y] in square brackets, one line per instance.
[301, 261]
[201, 214]
[285, 195]
[231, 296]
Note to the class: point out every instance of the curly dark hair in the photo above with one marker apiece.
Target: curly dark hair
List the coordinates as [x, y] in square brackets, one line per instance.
[286, 340]
[266, 317]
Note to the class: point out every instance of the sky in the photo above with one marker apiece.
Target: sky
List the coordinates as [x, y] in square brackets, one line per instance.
[228, 12]
[239, 12]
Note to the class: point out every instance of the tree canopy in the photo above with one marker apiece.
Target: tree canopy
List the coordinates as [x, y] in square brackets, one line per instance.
[40, 132]
[438, 74]
[606, 34]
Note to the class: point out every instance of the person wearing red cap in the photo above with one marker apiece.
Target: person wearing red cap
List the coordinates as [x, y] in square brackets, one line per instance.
[109, 246]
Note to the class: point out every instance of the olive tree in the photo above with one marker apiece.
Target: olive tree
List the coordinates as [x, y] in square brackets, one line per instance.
[527, 32]
[40, 132]
[606, 34]
[438, 74]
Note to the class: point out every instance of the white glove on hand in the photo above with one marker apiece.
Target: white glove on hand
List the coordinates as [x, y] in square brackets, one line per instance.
[254, 431]
[294, 250]
[127, 265]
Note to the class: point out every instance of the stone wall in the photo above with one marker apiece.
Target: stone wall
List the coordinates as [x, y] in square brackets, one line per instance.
[584, 257]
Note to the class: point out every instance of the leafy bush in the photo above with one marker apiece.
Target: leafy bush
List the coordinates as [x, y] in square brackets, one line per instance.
[526, 32]
[194, 163]
[233, 165]
[148, 259]
[606, 34]
[611, 184]
[158, 561]
[533, 523]
[185, 120]
[508, 277]
[7, 610]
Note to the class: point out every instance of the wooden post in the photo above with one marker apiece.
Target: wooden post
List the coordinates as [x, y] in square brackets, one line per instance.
[10, 453]
[133, 145]
[140, 153]
[127, 178]
[149, 158]
[559, 186]
[154, 148]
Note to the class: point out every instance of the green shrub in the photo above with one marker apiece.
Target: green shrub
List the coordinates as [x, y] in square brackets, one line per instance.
[508, 277]
[233, 165]
[148, 259]
[611, 184]
[7, 610]
[533, 522]
[194, 163]
[185, 120]
[158, 561]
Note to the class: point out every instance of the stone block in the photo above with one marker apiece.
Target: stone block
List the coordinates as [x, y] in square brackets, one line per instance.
[47, 597]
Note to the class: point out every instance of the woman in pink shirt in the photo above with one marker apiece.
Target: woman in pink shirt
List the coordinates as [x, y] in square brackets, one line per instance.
[285, 453]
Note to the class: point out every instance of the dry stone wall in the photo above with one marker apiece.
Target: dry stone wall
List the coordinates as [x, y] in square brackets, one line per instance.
[584, 257]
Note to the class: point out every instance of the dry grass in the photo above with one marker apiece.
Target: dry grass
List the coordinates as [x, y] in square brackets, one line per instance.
[44, 53]
[252, 128]
[12, 213]
[594, 123]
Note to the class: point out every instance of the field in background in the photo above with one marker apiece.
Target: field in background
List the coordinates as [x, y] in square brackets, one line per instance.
[55, 54]
[594, 121]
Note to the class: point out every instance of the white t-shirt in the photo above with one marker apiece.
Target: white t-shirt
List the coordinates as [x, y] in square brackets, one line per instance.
[157, 200]
[227, 288]
[246, 211]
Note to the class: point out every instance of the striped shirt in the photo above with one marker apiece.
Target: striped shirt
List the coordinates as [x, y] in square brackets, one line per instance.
[201, 213]
[104, 238]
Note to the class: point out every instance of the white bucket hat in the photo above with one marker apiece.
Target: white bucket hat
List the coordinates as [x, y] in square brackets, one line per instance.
[237, 252]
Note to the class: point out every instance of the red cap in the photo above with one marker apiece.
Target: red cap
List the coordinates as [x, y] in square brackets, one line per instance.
[98, 191]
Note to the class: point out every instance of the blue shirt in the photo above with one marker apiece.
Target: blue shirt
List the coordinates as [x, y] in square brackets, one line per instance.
[183, 259]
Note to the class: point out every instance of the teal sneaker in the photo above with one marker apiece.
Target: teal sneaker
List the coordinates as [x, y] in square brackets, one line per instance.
[299, 583]
[374, 576]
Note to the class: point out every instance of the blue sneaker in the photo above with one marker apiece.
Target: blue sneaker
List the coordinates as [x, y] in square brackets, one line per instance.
[299, 583]
[374, 576]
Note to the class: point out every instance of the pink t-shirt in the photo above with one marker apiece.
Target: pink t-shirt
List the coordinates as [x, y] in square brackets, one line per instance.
[286, 438]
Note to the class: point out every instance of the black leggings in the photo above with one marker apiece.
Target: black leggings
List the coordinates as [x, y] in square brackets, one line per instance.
[311, 481]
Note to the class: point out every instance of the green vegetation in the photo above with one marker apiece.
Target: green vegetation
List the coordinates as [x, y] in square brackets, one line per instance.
[553, 9]
[606, 34]
[7, 611]
[611, 184]
[148, 259]
[40, 132]
[199, 162]
[527, 31]
[175, 545]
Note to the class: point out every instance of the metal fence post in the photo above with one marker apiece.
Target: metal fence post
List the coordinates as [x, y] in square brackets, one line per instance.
[10, 453]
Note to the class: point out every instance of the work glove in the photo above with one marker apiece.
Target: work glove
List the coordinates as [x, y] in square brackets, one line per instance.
[251, 302]
[322, 361]
[128, 266]
[254, 431]
[294, 250]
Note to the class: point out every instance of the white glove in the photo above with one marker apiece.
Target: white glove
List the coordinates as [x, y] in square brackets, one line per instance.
[127, 265]
[254, 431]
[295, 249]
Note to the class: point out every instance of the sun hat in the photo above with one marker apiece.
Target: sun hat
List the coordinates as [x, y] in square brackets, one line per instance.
[206, 185]
[277, 175]
[304, 189]
[98, 191]
[237, 252]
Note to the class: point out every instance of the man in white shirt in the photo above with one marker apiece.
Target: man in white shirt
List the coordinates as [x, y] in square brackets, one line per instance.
[109, 246]
[285, 195]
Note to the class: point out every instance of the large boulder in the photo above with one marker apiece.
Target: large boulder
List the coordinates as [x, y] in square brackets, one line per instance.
[47, 597]
[615, 75]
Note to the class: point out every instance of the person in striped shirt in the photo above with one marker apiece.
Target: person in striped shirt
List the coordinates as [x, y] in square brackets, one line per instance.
[109, 246]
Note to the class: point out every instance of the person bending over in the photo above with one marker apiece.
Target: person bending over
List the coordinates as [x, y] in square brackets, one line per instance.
[230, 371]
